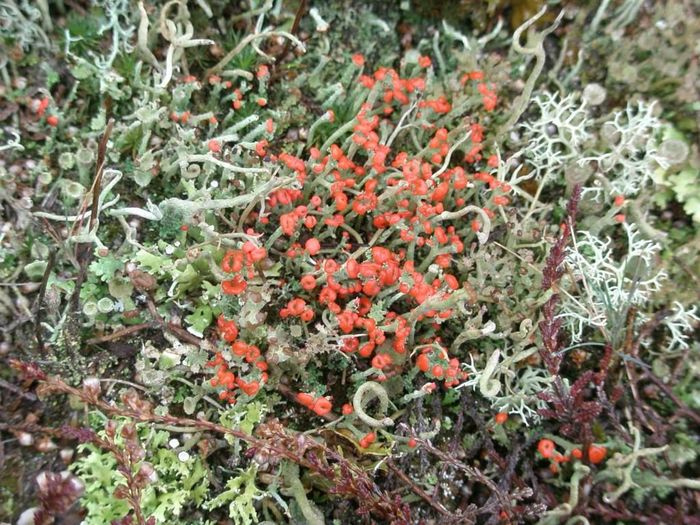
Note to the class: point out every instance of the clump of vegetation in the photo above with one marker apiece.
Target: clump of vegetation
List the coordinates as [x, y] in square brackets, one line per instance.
[295, 263]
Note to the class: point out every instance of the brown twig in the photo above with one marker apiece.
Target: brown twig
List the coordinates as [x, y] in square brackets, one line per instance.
[646, 331]
[349, 480]
[689, 272]
[97, 184]
[122, 332]
[16, 390]
[631, 348]
[472, 472]
[470, 406]
[37, 309]
[56, 385]
[174, 329]
[184, 335]
[277, 70]
[83, 252]
[417, 490]
[692, 414]
[295, 25]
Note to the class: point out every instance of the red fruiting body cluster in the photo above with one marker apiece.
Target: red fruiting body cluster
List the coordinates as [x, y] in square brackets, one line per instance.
[260, 148]
[182, 118]
[546, 447]
[381, 361]
[436, 364]
[368, 439]
[235, 261]
[321, 405]
[500, 418]
[596, 454]
[488, 95]
[370, 224]
[227, 329]
[297, 308]
[41, 106]
[241, 352]
[237, 99]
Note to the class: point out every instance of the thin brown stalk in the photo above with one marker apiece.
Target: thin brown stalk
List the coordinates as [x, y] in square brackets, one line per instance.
[118, 334]
[417, 490]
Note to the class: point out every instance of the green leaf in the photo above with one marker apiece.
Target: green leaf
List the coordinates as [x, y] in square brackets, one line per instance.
[153, 263]
[200, 319]
[180, 483]
[189, 405]
[241, 494]
[81, 72]
[98, 121]
[254, 414]
[377, 312]
[106, 267]
[196, 359]
[169, 503]
[120, 288]
[687, 188]
[187, 279]
[52, 78]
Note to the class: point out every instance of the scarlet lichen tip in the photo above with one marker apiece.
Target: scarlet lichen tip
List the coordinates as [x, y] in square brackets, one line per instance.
[546, 447]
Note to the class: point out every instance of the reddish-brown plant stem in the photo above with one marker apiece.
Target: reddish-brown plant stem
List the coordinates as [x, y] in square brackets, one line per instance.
[417, 490]
[117, 334]
[349, 480]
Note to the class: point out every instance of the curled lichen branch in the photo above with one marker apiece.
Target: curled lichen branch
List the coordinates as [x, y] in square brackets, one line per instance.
[483, 235]
[488, 386]
[622, 466]
[565, 509]
[364, 395]
[249, 40]
[448, 157]
[13, 144]
[222, 164]
[178, 38]
[535, 48]
[142, 40]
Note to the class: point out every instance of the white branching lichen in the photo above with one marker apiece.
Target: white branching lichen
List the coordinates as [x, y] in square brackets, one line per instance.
[608, 285]
[558, 135]
[630, 156]
[679, 324]
[509, 388]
